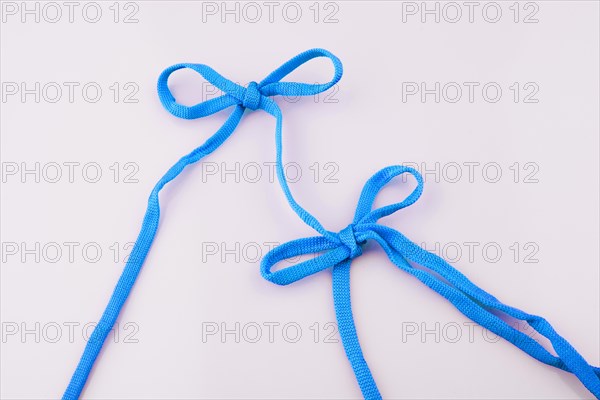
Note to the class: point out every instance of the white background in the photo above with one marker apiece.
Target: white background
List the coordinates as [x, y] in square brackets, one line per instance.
[361, 126]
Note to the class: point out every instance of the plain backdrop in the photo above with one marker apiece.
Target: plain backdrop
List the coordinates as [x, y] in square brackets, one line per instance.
[511, 194]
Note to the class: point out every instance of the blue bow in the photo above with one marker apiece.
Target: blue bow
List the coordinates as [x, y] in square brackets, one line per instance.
[253, 97]
[338, 250]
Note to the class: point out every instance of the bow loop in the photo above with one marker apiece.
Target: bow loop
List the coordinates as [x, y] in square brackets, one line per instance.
[333, 254]
[203, 108]
[272, 84]
[364, 211]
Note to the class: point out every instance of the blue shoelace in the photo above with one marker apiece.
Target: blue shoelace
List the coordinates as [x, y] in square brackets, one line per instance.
[338, 249]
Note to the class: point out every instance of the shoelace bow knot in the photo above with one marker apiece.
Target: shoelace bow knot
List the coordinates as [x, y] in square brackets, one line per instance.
[337, 250]
[347, 244]
[255, 95]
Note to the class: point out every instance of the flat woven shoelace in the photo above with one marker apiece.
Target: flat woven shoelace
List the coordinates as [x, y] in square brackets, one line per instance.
[253, 97]
[337, 249]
